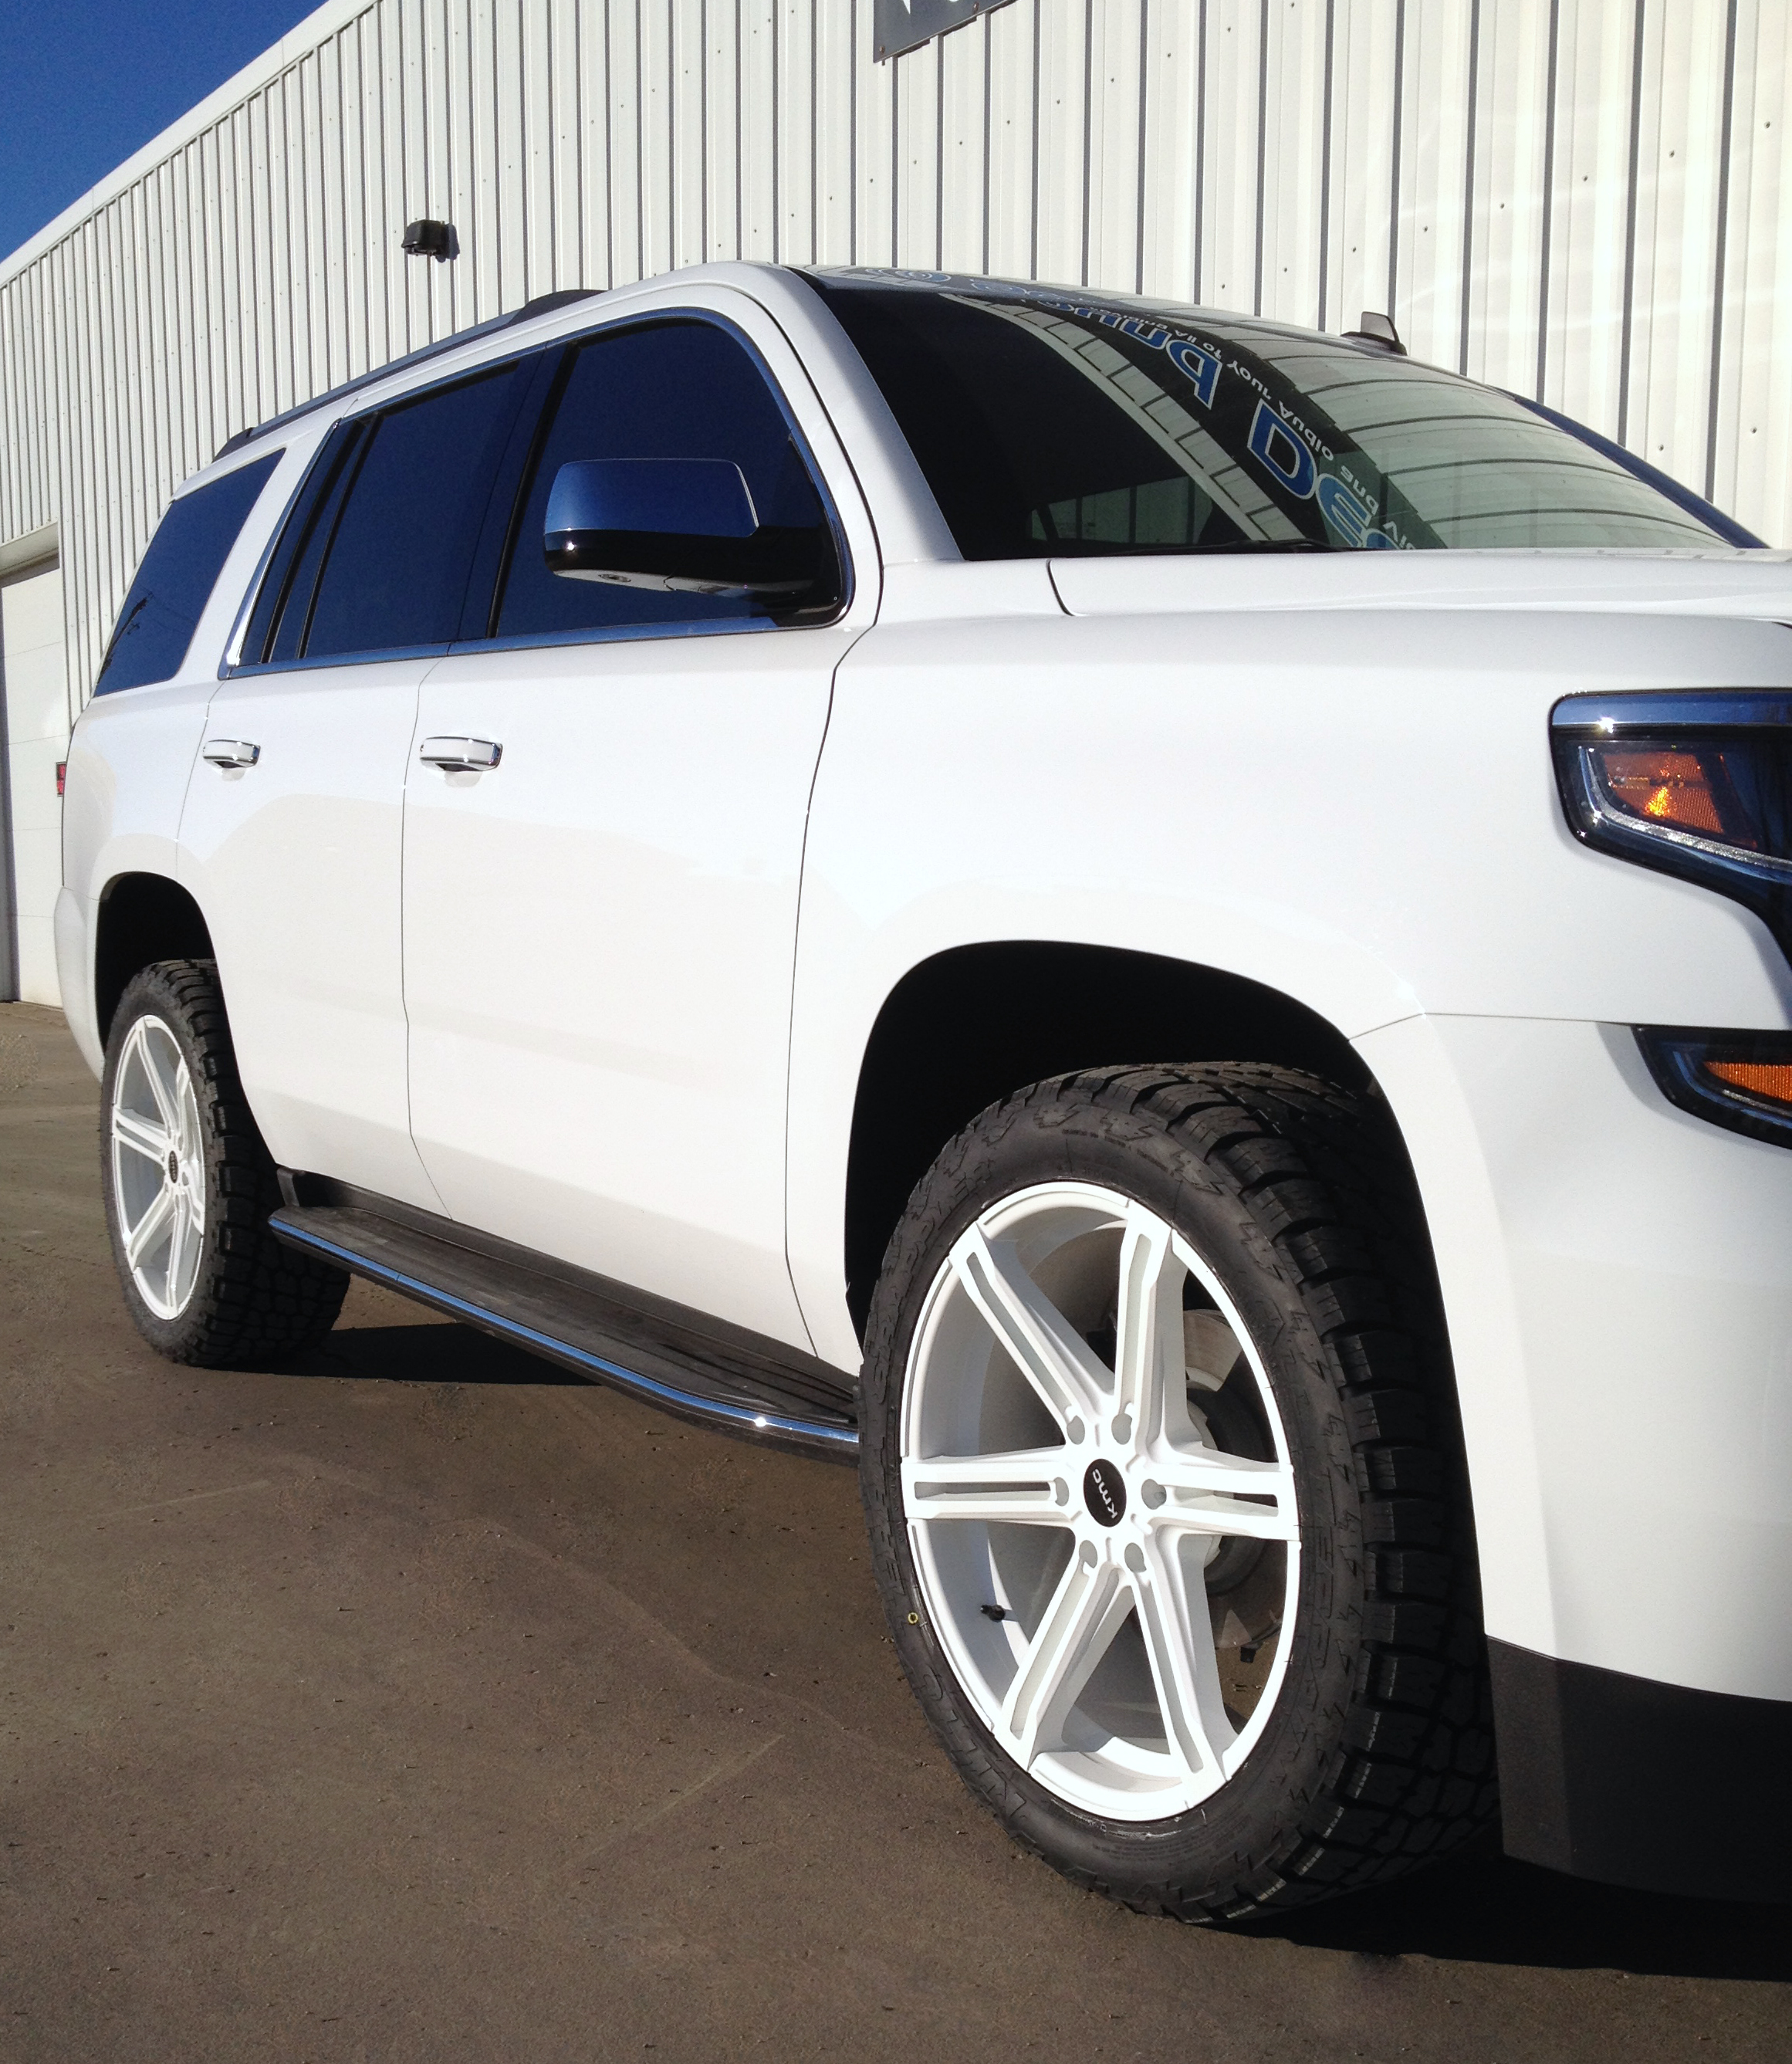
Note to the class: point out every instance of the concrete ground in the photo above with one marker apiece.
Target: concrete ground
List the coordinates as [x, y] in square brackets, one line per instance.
[421, 1703]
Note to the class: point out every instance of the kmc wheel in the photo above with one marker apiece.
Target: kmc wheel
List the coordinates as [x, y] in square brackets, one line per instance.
[189, 1185]
[1150, 1349]
[157, 1166]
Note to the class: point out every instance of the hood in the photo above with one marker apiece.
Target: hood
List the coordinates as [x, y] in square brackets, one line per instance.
[1738, 583]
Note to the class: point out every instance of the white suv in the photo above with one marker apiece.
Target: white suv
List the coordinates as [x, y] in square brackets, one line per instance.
[942, 872]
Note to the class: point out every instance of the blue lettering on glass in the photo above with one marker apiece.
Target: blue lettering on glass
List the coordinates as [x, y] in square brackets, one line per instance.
[1274, 442]
[1282, 453]
[1202, 368]
[1347, 514]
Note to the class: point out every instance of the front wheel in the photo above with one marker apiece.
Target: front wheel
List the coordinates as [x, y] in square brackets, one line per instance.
[189, 1185]
[1165, 1493]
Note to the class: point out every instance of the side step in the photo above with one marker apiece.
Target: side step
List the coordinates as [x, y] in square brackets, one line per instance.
[700, 1368]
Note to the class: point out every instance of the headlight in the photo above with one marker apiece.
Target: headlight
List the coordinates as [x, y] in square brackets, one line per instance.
[1739, 1079]
[1696, 783]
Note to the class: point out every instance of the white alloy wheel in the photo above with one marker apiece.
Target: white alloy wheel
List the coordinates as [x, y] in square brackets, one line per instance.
[190, 1185]
[1099, 1499]
[158, 1167]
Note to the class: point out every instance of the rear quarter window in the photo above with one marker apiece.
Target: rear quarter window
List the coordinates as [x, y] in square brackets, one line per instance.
[175, 581]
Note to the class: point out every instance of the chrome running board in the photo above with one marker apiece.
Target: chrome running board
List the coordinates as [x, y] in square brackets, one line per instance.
[699, 1368]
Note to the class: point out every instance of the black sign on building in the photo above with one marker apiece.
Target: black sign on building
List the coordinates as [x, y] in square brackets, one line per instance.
[904, 25]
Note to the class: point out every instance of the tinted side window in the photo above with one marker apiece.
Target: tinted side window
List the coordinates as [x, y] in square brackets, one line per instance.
[395, 569]
[175, 580]
[277, 623]
[669, 390]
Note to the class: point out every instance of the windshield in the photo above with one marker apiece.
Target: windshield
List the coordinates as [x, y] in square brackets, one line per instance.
[1049, 423]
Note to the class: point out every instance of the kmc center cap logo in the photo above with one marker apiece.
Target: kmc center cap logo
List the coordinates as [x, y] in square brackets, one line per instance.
[1103, 1492]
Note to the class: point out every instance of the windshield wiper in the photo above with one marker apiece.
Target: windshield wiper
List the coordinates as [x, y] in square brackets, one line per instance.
[1267, 545]
[1077, 548]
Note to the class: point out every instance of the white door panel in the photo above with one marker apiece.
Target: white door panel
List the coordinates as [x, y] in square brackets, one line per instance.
[600, 935]
[296, 862]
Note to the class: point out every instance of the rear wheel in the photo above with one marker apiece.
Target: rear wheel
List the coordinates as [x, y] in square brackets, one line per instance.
[189, 1185]
[1164, 1491]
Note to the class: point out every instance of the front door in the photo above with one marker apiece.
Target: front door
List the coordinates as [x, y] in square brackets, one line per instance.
[600, 928]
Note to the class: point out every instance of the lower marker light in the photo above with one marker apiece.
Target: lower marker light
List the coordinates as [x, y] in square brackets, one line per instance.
[1740, 1080]
[1770, 1079]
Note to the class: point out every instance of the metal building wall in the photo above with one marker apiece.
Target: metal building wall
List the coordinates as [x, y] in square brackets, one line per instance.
[1586, 199]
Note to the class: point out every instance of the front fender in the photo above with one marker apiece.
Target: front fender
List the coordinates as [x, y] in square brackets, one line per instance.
[1356, 809]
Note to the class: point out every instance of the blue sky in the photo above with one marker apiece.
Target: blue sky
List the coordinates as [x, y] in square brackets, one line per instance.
[84, 84]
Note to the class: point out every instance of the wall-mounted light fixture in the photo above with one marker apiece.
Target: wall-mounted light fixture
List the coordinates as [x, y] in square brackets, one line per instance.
[431, 240]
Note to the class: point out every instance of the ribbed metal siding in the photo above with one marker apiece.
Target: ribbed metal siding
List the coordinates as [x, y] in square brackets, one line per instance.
[1586, 199]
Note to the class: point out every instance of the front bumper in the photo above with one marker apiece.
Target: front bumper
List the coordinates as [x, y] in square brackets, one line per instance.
[1617, 1277]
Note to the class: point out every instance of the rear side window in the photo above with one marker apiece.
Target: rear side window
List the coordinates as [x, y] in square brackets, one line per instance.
[283, 609]
[376, 555]
[396, 572]
[175, 580]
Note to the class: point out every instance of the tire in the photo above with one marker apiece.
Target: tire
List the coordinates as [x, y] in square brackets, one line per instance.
[189, 1186]
[1261, 1681]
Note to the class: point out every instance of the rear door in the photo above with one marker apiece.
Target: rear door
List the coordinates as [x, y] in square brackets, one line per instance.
[292, 826]
[600, 927]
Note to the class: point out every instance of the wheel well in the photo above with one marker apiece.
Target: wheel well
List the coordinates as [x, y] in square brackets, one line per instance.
[1015, 1012]
[143, 918]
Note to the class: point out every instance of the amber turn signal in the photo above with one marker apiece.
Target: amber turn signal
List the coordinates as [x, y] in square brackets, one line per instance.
[1696, 782]
[1669, 787]
[1740, 1080]
[1772, 1079]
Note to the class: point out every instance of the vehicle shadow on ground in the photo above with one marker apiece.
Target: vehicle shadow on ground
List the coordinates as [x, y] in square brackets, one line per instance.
[1482, 1908]
[427, 1353]
[1478, 1907]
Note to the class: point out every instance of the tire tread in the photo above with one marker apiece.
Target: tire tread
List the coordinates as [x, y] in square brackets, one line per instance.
[1323, 1176]
[257, 1301]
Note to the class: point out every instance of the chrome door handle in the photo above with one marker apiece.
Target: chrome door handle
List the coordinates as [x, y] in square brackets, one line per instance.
[460, 756]
[230, 753]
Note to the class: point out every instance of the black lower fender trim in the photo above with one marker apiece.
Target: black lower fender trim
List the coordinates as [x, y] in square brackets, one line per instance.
[1640, 1783]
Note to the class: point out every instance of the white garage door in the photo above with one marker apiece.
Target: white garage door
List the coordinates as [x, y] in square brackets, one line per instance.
[34, 675]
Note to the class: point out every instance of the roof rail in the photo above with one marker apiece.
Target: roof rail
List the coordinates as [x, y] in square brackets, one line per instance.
[542, 304]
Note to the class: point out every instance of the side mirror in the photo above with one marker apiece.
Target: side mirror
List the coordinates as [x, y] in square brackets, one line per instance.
[686, 524]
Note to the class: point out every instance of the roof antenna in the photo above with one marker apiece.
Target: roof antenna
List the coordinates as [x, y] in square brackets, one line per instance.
[1378, 332]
